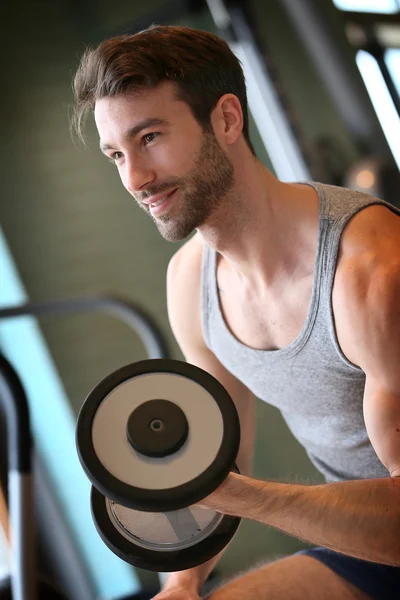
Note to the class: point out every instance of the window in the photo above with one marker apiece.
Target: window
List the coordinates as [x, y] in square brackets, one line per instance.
[373, 28]
[373, 6]
[392, 59]
[381, 99]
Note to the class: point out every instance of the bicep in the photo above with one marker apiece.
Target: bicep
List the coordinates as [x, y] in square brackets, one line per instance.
[373, 323]
[382, 420]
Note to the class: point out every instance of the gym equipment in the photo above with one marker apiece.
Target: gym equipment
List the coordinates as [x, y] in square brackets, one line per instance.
[23, 583]
[154, 438]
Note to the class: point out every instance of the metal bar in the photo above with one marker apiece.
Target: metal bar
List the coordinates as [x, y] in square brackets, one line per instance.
[335, 72]
[70, 573]
[376, 50]
[128, 312]
[13, 398]
[18, 428]
[22, 557]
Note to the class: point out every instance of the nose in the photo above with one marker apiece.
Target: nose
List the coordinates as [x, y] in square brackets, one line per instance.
[137, 175]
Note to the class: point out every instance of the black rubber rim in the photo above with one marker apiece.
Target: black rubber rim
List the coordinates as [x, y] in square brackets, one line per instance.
[150, 560]
[172, 498]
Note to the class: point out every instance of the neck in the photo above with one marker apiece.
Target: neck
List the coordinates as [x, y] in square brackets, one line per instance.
[264, 228]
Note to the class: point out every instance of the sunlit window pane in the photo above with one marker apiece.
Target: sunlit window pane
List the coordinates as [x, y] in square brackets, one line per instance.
[375, 6]
[382, 101]
[392, 58]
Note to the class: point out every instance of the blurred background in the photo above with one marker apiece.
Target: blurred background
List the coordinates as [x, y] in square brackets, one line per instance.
[323, 83]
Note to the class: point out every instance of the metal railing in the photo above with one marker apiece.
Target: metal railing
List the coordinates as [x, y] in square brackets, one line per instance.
[16, 410]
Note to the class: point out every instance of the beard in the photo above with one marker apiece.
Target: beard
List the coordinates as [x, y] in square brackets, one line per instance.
[202, 191]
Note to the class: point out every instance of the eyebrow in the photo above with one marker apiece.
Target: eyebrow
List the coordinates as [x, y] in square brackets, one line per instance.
[134, 131]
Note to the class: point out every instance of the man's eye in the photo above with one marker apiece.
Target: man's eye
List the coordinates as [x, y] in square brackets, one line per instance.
[149, 137]
[115, 156]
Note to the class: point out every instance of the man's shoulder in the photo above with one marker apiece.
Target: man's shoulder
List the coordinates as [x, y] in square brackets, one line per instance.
[367, 279]
[371, 238]
[368, 268]
[186, 262]
[184, 272]
[183, 295]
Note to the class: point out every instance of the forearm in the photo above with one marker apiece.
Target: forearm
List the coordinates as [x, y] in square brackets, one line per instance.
[358, 518]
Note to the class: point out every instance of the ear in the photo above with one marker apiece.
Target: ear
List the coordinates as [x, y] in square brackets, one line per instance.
[227, 119]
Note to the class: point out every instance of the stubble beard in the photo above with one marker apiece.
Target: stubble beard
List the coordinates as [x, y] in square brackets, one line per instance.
[202, 193]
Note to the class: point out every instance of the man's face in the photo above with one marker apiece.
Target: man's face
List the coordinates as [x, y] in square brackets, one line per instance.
[163, 155]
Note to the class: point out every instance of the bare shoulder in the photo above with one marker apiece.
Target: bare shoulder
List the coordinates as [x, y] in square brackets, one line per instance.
[370, 244]
[183, 292]
[186, 262]
[367, 281]
[374, 231]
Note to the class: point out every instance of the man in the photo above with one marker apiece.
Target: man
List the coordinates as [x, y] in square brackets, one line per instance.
[286, 292]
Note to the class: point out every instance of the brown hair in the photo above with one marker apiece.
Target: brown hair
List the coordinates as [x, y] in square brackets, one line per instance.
[200, 63]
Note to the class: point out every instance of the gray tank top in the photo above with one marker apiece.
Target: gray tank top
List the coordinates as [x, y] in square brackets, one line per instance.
[318, 391]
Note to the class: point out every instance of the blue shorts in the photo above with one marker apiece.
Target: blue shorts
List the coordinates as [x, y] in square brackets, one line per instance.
[379, 582]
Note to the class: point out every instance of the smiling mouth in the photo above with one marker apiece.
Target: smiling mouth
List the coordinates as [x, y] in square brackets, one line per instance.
[162, 205]
[153, 204]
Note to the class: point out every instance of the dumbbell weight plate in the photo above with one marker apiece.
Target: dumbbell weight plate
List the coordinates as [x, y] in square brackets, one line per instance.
[172, 541]
[189, 466]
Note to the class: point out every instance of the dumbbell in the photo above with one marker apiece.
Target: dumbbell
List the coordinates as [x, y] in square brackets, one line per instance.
[156, 437]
